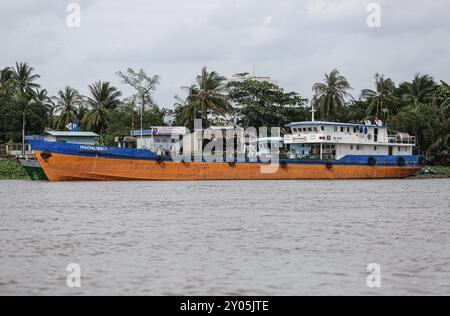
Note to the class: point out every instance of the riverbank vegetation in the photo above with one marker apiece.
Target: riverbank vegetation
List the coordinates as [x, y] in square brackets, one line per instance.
[11, 170]
[420, 107]
[443, 171]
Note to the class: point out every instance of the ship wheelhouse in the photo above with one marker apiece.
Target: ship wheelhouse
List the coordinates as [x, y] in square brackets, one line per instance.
[334, 141]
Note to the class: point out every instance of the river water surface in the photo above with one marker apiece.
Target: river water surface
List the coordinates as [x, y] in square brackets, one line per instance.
[225, 238]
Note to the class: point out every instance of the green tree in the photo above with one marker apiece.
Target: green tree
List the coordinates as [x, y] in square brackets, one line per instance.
[423, 121]
[441, 98]
[186, 111]
[329, 97]
[380, 100]
[144, 86]
[67, 103]
[102, 100]
[440, 150]
[208, 96]
[5, 81]
[24, 83]
[43, 106]
[264, 104]
[419, 91]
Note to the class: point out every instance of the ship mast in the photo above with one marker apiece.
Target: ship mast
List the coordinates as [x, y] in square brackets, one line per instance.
[313, 113]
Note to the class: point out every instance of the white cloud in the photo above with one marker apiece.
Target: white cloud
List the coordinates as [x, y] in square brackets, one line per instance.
[294, 41]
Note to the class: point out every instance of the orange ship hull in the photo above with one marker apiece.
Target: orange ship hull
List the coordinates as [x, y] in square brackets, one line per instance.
[62, 167]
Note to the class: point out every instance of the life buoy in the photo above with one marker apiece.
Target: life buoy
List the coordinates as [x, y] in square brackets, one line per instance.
[372, 161]
[46, 154]
[401, 161]
[329, 165]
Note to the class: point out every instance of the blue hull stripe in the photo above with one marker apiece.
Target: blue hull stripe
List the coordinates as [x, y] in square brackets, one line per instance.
[143, 154]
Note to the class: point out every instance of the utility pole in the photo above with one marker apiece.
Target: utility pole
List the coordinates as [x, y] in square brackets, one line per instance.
[142, 126]
[23, 132]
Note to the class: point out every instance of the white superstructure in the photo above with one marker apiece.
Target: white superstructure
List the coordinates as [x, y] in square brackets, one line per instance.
[330, 140]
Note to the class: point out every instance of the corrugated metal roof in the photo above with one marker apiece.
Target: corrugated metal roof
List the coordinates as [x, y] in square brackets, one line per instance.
[71, 134]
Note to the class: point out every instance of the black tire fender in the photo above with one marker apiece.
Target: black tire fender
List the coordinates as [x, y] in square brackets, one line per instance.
[401, 161]
[46, 154]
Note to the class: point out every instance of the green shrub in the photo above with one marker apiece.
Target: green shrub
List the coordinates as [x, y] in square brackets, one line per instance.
[11, 170]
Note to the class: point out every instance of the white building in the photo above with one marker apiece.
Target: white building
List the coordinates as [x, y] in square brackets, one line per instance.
[241, 77]
[164, 139]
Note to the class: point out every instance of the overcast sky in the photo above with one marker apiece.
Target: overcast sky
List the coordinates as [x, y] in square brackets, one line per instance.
[293, 41]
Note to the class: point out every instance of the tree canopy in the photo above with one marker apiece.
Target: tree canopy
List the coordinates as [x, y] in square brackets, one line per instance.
[420, 107]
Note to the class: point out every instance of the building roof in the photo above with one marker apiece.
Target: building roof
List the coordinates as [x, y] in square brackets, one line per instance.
[71, 134]
[299, 124]
[161, 131]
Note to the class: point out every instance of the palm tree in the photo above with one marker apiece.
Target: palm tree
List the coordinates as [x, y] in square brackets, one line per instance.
[330, 96]
[44, 102]
[103, 99]
[189, 109]
[23, 80]
[5, 81]
[381, 100]
[207, 96]
[420, 90]
[67, 103]
[446, 108]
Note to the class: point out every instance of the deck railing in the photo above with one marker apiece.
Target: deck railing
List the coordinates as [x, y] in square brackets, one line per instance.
[401, 139]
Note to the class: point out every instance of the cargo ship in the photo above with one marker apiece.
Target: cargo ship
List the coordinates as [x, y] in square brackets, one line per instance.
[311, 151]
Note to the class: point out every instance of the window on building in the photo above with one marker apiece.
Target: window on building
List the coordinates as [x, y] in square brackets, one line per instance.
[322, 128]
[348, 129]
[351, 147]
[375, 148]
[342, 129]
